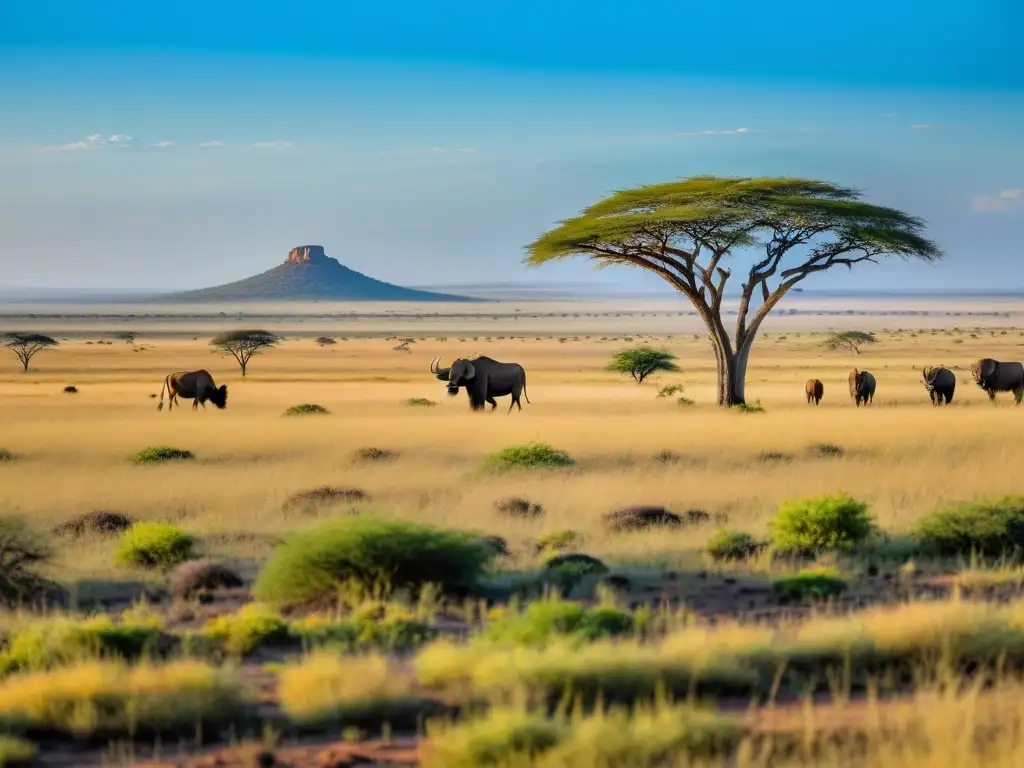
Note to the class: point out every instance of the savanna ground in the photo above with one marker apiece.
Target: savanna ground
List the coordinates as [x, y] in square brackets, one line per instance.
[821, 698]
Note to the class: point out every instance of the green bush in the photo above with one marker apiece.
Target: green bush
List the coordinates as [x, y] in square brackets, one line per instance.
[820, 523]
[502, 737]
[554, 542]
[305, 409]
[816, 584]
[754, 407]
[420, 401]
[59, 641]
[386, 627]
[6, 455]
[375, 553]
[153, 546]
[16, 751]
[532, 456]
[22, 551]
[243, 632]
[544, 619]
[161, 453]
[732, 545]
[988, 528]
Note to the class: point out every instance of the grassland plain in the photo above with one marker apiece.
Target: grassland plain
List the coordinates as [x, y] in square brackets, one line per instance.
[901, 456]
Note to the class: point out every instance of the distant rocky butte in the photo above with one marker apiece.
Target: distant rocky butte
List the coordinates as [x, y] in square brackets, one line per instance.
[309, 274]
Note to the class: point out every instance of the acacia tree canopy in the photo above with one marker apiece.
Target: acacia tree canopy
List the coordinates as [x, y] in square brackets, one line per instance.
[641, 362]
[242, 345]
[26, 345]
[690, 232]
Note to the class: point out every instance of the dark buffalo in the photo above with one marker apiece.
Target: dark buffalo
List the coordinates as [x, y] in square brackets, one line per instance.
[862, 387]
[940, 383]
[484, 380]
[815, 389]
[994, 376]
[198, 385]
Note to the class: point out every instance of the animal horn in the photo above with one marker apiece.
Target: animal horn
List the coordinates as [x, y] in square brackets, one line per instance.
[435, 365]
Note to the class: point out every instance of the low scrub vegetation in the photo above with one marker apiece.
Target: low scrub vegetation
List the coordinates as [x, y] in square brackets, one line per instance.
[988, 528]
[532, 456]
[420, 402]
[732, 545]
[109, 699]
[153, 546]
[23, 552]
[544, 620]
[306, 409]
[816, 584]
[822, 523]
[160, 454]
[243, 632]
[377, 554]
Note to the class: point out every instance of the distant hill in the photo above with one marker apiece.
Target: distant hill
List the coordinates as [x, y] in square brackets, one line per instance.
[309, 274]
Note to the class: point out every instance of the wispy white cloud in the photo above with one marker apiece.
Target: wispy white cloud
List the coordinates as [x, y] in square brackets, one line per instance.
[922, 126]
[164, 144]
[211, 144]
[468, 150]
[95, 141]
[272, 144]
[1011, 199]
[715, 132]
[436, 150]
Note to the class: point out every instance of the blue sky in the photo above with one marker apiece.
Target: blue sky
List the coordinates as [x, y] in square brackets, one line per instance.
[195, 143]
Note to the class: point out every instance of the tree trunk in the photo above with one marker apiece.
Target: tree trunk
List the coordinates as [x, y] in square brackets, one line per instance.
[732, 373]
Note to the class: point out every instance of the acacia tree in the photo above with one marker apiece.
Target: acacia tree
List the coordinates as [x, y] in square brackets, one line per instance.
[26, 345]
[687, 231]
[242, 345]
[641, 362]
[850, 340]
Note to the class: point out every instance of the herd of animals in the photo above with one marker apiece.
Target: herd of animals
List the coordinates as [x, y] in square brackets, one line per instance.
[991, 375]
[485, 379]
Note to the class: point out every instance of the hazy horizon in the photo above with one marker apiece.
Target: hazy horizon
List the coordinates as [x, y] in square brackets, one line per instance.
[160, 149]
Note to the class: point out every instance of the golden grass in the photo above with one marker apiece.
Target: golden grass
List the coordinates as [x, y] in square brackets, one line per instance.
[111, 698]
[903, 457]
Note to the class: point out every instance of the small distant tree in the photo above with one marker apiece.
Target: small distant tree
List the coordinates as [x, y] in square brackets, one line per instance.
[850, 340]
[325, 341]
[641, 362]
[128, 337]
[242, 345]
[26, 345]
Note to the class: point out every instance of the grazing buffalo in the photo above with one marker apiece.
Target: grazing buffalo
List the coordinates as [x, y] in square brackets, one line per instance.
[815, 389]
[484, 380]
[198, 385]
[994, 376]
[940, 383]
[862, 387]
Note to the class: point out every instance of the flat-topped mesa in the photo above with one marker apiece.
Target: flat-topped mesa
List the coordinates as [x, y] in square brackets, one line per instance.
[306, 254]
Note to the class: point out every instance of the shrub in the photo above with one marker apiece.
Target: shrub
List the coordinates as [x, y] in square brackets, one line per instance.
[161, 453]
[243, 632]
[502, 737]
[6, 455]
[99, 522]
[670, 390]
[375, 454]
[22, 551]
[71, 389]
[112, 700]
[732, 545]
[59, 641]
[153, 546]
[827, 450]
[532, 456]
[820, 523]
[641, 362]
[374, 553]
[544, 619]
[388, 627]
[323, 496]
[817, 584]
[754, 407]
[15, 751]
[325, 689]
[556, 541]
[305, 409]
[420, 401]
[567, 571]
[988, 528]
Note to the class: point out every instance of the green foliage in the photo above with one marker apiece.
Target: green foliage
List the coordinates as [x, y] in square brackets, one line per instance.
[373, 626]
[565, 572]
[25, 346]
[754, 407]
[989, 528]
[305, 409]
[532, 456]
[420, 402]
[51, 642]
[160, 453]
[820, 523]
[243, 632]
[503, 737]
[671, 390]
[543, 620]
[732, 545]
[153, 546]
[22, 551]
[375, 553]
[817, 584]
[6, 455]
[242, 345]
[16, 751]
[641, 362]
[554, 542]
